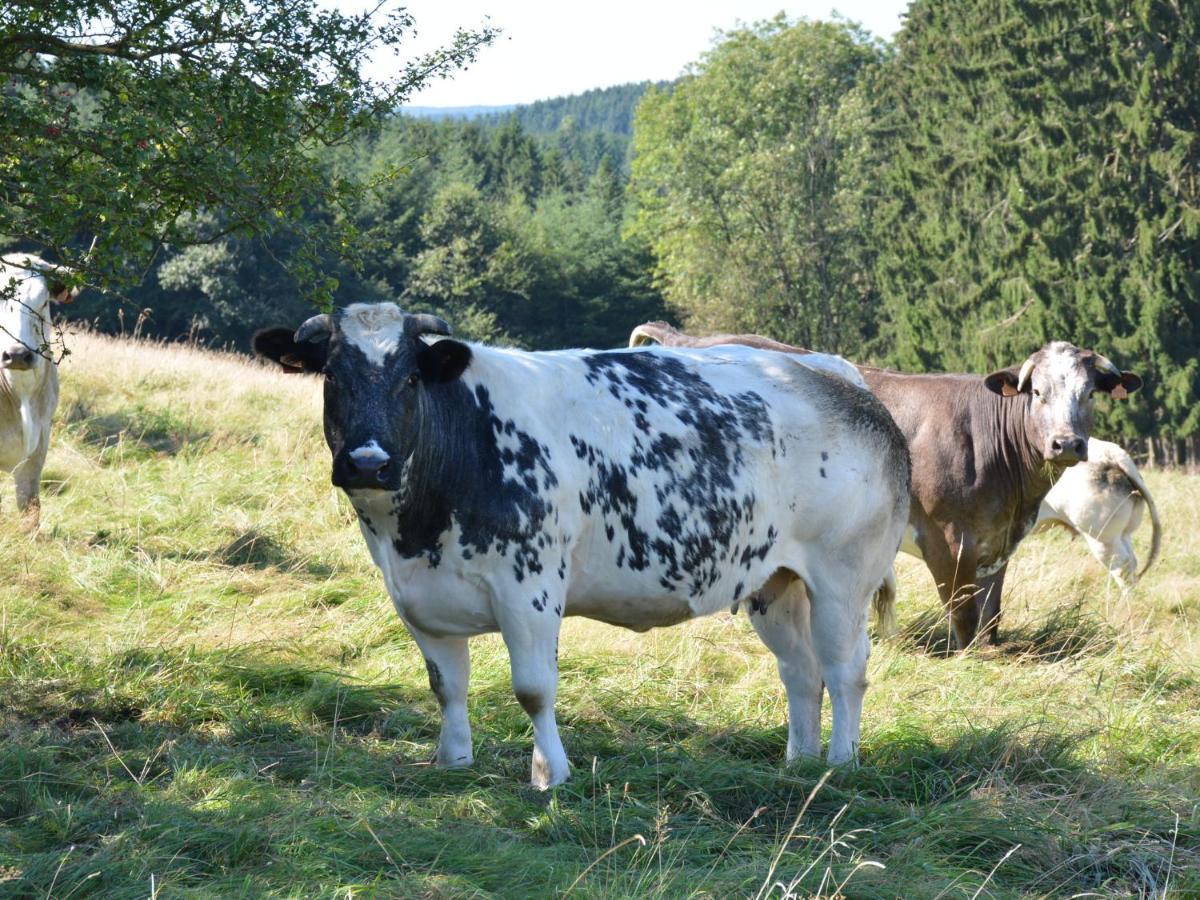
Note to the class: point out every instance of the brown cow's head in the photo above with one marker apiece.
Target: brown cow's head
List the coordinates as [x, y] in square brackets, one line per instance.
[1058, 383]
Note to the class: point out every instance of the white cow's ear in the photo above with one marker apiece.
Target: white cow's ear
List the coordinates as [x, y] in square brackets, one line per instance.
[443, 360]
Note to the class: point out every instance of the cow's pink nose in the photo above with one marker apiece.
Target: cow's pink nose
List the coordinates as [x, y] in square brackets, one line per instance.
[1068, 449]
[17, 356]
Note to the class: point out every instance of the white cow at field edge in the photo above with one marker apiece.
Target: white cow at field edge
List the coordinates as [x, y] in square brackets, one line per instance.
[1102, 499]
[28, 379]
[500, 490]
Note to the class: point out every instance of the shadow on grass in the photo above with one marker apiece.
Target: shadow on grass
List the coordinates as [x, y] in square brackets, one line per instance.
[1067, 632]
[148, 431]
[261, 771]
[257, 550]
[254, 549]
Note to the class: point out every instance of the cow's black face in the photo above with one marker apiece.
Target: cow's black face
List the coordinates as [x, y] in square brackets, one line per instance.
[381, 381]
[1058, 385]
[370, 414]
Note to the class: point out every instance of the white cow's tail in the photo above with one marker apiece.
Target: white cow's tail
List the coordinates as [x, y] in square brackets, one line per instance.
[1131, 472]
[884, 605]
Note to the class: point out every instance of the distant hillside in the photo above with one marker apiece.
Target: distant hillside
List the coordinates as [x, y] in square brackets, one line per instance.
[608, 110]
[454, 112]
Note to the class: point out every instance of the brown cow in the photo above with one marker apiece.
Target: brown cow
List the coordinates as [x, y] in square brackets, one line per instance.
[985, 452]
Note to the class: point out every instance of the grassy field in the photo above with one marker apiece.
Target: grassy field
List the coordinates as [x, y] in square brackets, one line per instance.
[204, 692]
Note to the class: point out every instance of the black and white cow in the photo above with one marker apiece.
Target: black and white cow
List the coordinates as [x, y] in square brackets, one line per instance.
[503, 490]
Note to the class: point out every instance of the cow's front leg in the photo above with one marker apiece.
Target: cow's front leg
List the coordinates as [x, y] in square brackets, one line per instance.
[448, 662]
[27, 478]
[952, 562]
[990, 589]
[530, 630]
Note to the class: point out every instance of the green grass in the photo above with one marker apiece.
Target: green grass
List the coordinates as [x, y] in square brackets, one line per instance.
[204, 692]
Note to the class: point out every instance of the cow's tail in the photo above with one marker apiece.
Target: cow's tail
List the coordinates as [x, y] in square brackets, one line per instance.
[884, 605]
[1131, 472]
[649, 333]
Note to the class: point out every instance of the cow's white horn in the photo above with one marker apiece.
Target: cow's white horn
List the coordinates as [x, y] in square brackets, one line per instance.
[1104, 364]
[1026, 371]
[416, 324]
[314, 329]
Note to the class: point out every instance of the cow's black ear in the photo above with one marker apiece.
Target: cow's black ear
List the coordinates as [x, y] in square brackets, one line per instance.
[279, 345]
[1119, 387]
[1005, 382]
[443, 360]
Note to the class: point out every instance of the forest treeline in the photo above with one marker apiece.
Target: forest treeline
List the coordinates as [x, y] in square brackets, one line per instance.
[1002, 174]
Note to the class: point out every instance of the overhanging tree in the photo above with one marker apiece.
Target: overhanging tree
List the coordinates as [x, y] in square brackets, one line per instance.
[133, 124]
[744, 190]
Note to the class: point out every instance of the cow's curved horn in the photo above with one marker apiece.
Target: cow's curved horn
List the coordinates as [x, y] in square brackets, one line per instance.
[1104, 364]
[1026, 371]
[416, 324]
[314, 329]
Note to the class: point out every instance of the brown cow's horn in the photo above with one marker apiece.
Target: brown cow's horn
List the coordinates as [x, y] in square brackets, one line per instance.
[314, 329]
[1026, 371]
[1104, 364]
[416, 324]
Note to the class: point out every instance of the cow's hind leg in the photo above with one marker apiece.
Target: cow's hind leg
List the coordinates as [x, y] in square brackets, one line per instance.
[1117, 557]
[780, 615]
[448, 662]
[530, 632]
[839, 637]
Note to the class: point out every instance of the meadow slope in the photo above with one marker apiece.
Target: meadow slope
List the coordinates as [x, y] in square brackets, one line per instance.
[204, 692]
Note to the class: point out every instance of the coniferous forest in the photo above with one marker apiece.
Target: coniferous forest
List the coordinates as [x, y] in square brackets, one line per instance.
[1004, 173]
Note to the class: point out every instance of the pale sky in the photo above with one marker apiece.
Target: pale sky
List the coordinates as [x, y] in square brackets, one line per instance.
[550, 49]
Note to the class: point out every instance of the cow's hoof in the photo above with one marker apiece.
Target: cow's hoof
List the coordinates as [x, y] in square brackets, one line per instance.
[546, 774]
[31, 520]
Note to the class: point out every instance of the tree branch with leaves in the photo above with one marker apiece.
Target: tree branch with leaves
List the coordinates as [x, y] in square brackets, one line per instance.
[142, 123]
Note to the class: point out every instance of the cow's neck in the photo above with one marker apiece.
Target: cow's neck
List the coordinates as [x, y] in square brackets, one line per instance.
[439, 462]
[458, 473]
[1022, 457]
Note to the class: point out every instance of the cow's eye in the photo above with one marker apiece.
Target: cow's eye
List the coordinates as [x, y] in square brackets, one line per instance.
[329, 379]
[1037, 393]
[413, 379]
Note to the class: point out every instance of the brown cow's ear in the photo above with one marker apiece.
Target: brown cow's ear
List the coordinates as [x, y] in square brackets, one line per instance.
[1003, 383]
[1118, 387]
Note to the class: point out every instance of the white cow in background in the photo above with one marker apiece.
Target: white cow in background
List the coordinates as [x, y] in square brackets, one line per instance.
[28, 378]
[1102, 500]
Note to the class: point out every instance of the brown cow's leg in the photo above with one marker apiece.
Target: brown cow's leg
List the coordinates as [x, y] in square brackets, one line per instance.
[988, 599]
[952, 563]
